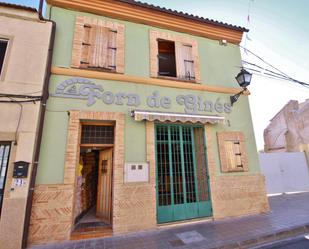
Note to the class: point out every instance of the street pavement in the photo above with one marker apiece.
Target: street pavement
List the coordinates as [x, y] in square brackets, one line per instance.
[289, 216]
[298, 242]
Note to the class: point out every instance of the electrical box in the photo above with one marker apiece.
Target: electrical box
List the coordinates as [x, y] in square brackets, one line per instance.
[20, 169]
[136, 172]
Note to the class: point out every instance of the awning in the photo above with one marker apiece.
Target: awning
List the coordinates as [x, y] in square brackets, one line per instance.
[175, 117]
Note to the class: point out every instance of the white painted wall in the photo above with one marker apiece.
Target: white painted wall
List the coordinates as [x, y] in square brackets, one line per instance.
[285, 172]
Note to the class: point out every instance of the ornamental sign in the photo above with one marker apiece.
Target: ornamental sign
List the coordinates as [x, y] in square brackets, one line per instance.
[79, 88]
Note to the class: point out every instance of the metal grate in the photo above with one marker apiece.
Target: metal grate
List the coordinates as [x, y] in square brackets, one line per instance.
[163, 166]
[97, 134]
[177, 164]
[181, 165]
[189, 164]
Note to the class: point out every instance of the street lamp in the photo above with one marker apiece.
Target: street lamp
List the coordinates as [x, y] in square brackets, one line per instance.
[243, 78]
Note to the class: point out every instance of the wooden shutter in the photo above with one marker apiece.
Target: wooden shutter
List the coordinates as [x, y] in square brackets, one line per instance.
[188, 62]
[180, 57]
[98, 44]
[237, 155]
[86, 46]
[120, 45]
[230, 155]
[112, 49]
[185, 62]
[233, 153]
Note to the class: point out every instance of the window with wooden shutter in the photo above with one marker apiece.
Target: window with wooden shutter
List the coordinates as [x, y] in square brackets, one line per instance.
[184, 55]
[98, 45]
[232, 150]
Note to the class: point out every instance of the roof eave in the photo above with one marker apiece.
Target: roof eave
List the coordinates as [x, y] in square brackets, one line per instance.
[185, 15]
[129, 11]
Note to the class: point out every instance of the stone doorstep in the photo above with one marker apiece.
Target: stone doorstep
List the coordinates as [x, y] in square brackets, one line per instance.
[184, 222]
[266, 239]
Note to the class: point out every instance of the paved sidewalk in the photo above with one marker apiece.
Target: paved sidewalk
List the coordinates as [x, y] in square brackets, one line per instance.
[289, 216]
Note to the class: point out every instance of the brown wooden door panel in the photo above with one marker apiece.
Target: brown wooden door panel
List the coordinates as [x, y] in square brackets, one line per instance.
[104, 195]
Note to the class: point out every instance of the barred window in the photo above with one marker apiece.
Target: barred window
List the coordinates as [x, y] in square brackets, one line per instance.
[97, 134]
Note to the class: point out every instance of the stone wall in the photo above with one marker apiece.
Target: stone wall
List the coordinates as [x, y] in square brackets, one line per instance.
[134, 203]
[238, 195]
[288, 129]
[51, 214]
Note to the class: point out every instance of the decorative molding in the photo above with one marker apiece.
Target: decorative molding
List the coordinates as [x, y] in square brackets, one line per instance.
[156, 18]
[142, 80]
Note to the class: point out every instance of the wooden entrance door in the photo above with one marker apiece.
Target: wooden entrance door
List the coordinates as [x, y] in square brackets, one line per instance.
[104, 195]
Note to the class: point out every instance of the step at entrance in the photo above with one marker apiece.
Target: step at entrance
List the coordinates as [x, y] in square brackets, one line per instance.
[91, 230]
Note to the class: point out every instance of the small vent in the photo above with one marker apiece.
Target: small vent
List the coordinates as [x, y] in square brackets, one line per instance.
[97, 134]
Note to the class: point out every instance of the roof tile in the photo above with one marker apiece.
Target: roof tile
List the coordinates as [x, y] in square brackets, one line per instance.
[185, 15]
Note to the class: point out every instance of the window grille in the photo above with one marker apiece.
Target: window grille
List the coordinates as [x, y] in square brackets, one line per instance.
[181, 165]
[97, 134]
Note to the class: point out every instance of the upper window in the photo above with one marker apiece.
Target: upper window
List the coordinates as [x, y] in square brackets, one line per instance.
[166, 58]
[173, 56]
[98, 45]
[3, 49]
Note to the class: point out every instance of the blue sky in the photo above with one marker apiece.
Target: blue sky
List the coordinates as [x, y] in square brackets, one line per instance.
[31, 3]
[279, 33]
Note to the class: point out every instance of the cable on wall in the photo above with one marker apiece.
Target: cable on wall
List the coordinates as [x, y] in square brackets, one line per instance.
[19, 119]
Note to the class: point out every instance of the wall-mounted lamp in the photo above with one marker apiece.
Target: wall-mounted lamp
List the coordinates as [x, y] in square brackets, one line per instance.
[243, 78]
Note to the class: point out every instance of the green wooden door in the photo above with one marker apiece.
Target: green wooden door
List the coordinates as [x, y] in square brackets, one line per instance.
[182, 179]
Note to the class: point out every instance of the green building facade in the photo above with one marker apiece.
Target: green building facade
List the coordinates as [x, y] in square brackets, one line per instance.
[131, 144]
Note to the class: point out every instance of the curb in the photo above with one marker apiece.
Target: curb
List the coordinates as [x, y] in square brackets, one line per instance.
[267, 238]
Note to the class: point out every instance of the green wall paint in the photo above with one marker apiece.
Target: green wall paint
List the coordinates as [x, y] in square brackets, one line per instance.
[55, 129]
[53, 147]
[136, 50]
[218, 64]
[135, 140]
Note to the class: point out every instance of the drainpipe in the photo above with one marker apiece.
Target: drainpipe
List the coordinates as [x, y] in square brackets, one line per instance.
[45, 96]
